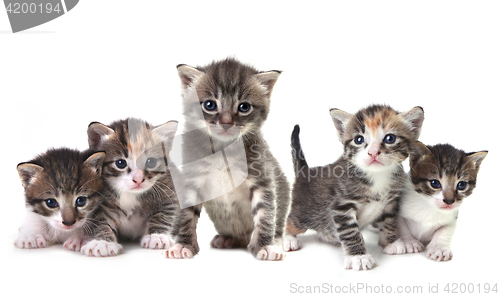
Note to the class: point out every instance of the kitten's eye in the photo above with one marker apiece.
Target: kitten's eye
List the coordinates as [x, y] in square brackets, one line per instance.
[51, 203]
[151, 163]
[210, 105]
[244, 107]
[121, 163]
[435, 184]
[359, 140]
[81, 201]
[461, 185]
[390, 139]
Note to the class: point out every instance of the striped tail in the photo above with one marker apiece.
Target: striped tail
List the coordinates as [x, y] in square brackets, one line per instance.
[299, 161]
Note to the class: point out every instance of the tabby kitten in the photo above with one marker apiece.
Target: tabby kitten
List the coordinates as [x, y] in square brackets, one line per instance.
[361, 187]
[62, 189]
[141, 202]
[442, 176]
[228, 165]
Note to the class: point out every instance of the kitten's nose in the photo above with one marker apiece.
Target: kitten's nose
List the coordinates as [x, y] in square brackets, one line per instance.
[226, 120]
[70, 223]
[448, 196]
[138, 177]
[449, 201]
[373, 151]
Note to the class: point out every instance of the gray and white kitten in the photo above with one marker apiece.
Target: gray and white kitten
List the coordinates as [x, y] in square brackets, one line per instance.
[442, 177]
[361, 187]
[141, 203]
[225, 105]
[63, 191]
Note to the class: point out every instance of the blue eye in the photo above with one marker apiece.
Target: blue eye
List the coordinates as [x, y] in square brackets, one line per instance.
[359, 139]
[151, 163]
[390, 139]
[121, 163]
[461, 185]
[210, 105]
[51, 203]
[435, 184]
[81, 201]
[244, 107]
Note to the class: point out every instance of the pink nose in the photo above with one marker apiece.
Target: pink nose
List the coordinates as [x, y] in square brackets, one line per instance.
[373, 151]
[138, 177]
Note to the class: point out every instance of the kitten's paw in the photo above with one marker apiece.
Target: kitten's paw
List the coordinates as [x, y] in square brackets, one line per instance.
[271, 253]
[224, 242]
[101, 248]
[291, 243]
[439, 254]
[31, 241]
[396, 248]
[157, 241]
[414, 246]
[178, 251]
[74, 243]
[363, 262]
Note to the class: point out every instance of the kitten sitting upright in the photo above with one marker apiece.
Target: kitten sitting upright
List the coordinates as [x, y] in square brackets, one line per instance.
[361, 187]
[442, 177]
[227, 158]
[62, 189]
[141, 203]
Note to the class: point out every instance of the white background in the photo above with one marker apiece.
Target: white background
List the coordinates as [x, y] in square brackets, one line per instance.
[107, 60]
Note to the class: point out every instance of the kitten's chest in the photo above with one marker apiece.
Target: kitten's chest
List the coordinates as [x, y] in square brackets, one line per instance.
[131, 220]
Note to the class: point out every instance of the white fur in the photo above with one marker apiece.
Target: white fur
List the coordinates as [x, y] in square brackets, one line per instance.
[423, 221]
[363, 262]
[101, 248]
[38, 231]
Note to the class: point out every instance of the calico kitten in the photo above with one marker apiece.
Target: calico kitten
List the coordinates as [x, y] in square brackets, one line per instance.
[225, 105]
[361, 187]
[141, 202]
[442, 177]
[62, 189]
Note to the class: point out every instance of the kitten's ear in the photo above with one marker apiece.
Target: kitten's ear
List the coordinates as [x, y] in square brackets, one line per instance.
[188, 75]
[418, 151]
[95, 162]
[415, 117]
[340, 119]
[268, 79]
[167, 130]
[27, 172]
[97, 134]
[477, 158]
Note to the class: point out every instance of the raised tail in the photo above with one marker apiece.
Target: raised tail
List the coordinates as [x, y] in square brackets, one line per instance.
[299, 160]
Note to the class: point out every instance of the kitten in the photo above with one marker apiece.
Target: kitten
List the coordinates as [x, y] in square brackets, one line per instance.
[62, 189]
[227, 158]
[141, 202]
[442, 177]
[361, 187]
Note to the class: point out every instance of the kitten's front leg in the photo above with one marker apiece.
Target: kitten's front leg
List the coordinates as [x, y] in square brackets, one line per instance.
[30, 233]
[159, 228]
[439, 248]
[351, 239]
[186, 245]
[406, 242]
[103, 242]
[262, 244]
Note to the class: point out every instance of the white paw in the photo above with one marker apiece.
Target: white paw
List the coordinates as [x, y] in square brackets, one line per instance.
[437, 253]
[396, 248]
[157, 241]
[30, 241]
[101, 248]
[291, 243]
[271, 253]
[363, 262]
[414, 246]
[74, 243]
[177, 251]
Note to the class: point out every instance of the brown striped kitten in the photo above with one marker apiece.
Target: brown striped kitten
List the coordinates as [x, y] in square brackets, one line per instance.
[62, 189]
[141, 202]
[362, 187]
[442, 177]
[228, 163]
